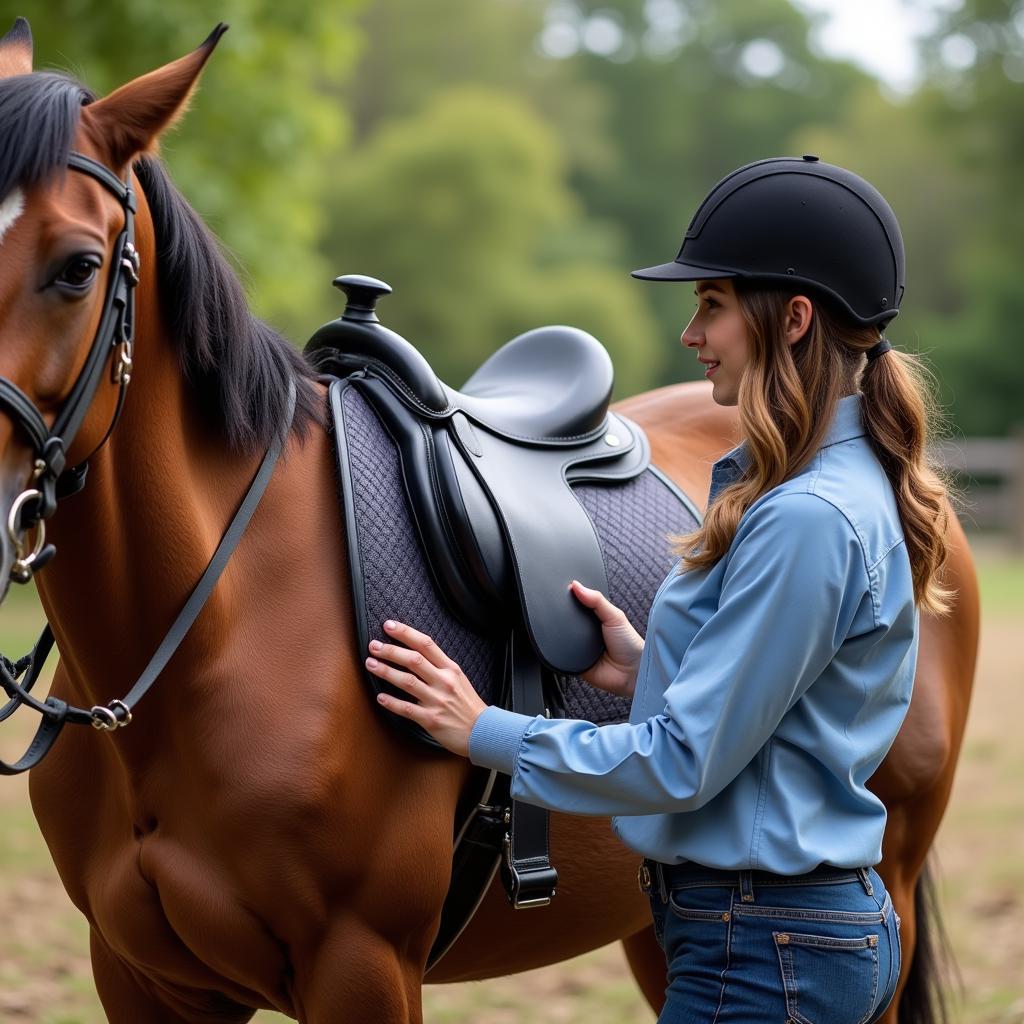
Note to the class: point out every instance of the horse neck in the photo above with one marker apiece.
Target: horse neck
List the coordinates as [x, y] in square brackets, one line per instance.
[133, 543]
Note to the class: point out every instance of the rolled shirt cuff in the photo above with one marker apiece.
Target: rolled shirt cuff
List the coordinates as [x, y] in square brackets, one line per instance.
[496, 737]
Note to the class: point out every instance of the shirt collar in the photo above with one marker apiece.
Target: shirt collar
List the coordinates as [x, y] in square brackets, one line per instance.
[847, 424]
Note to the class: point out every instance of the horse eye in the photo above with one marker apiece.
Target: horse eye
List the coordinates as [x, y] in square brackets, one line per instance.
[79, 272]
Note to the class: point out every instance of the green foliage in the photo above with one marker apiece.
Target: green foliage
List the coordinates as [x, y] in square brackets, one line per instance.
[444, 147]
[464, 210]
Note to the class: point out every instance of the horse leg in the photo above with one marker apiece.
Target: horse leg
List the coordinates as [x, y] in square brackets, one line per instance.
[921, 994]
[359, 977]
[127, 998]
[646, 960]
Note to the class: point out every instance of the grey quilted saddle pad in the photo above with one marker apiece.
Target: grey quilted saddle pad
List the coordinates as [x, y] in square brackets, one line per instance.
[632, 520]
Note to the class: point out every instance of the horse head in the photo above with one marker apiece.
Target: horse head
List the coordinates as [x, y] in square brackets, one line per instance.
[70, 265]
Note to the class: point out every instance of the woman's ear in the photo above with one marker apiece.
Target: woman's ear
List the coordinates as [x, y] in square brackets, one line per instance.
[799, 313]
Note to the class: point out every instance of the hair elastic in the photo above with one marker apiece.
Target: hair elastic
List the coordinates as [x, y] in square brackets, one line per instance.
[880, 349]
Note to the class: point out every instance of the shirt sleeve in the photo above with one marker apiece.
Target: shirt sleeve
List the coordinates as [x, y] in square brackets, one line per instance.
[794, 580]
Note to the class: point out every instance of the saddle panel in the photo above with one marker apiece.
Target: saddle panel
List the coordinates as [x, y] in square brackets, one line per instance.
[392, 578]
[494, 513]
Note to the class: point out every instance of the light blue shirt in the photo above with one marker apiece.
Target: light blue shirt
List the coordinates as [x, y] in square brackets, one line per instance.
[770, 687]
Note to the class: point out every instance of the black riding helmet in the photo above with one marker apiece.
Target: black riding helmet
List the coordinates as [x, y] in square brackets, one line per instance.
[797, 220]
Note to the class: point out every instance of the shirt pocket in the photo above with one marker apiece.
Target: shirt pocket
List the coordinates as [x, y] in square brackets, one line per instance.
[828, 979]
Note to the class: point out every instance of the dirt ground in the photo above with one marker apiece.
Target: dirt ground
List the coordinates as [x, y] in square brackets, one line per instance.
[44, 969]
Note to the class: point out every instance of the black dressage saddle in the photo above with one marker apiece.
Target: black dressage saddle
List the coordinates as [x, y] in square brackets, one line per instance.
[467, 513]
[488, 469]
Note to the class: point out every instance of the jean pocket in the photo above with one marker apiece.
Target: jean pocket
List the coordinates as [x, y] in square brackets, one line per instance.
[686, 912]
[828, 979]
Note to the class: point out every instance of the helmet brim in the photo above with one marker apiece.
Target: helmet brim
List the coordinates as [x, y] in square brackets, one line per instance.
[677, 271]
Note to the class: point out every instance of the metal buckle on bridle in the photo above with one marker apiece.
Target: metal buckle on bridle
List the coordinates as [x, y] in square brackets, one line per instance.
[105, 718]
[131, 264]
[122, 370]
[22, 568]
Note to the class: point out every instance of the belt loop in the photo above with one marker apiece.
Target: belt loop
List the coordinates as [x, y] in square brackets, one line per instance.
[662, 886]
[746, 887]
[862, 874]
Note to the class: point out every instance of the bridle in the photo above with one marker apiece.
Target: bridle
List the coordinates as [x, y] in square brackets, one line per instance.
[51, 481]
[116, 329]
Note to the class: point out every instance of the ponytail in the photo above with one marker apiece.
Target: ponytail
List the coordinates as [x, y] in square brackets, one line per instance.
[898, 411]
[788, 397]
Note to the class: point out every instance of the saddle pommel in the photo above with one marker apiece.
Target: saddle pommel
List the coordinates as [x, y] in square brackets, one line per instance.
[357, 337]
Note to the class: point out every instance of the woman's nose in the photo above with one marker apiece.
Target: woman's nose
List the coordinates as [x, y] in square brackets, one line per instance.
[693, 335]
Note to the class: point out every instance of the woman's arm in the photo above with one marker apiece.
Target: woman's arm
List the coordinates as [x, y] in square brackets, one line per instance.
[795, 578]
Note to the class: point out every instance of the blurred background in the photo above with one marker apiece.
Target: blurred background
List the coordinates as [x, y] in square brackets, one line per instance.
[506, 163]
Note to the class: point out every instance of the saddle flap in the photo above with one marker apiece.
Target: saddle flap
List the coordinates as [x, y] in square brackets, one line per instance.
[550, 537]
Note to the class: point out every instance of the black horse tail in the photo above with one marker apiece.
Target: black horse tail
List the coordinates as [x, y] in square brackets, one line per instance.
[932, 973]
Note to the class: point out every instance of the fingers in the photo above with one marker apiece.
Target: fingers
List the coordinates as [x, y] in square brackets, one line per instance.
[404, 708]
[419, 642]
[415, 661]
[603, 608]
[406, 681]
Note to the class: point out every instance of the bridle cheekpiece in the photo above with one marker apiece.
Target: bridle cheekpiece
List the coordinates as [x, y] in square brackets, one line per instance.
[50, 480]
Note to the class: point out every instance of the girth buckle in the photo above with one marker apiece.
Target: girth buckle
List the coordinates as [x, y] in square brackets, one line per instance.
[529, 888]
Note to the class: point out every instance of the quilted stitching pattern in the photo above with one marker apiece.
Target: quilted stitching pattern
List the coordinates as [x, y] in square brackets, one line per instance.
[632, 523]
[396, 579]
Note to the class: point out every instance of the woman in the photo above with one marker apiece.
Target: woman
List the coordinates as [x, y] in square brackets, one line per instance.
[781, 649]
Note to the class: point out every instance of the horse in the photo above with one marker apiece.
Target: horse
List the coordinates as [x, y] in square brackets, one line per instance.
[259, 837]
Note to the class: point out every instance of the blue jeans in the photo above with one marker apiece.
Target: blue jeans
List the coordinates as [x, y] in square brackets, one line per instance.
[748, 947]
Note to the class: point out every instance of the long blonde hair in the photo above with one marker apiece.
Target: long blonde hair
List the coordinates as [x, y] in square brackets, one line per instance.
[787, 400]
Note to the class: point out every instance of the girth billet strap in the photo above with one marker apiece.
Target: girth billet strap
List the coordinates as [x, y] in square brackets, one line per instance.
[530, 880]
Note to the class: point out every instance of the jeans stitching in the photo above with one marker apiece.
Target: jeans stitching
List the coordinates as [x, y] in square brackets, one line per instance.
[728, 957]
[828, 941]
[690, 914]
[790, 987]
[794, 914]
[790, 882]
[874, 986]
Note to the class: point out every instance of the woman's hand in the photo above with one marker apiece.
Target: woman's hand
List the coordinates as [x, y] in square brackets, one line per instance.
[615, 671]
[447, 707]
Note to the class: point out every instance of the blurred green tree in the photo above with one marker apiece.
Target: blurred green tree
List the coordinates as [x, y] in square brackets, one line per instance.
[694, 89]
[975, 63]
[463, 208]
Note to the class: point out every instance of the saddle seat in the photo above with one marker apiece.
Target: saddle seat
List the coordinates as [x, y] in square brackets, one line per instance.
[488, 469]
[551, 383]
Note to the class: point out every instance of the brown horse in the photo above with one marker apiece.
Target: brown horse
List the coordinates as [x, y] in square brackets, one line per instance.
[258, 837]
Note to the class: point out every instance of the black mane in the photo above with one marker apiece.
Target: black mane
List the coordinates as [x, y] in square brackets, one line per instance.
[238, 367]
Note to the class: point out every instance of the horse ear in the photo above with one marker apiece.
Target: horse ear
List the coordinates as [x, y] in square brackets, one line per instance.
[16, 50]
[131, 119]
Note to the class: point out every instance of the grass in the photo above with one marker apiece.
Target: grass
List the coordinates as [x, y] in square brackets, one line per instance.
[44, 969]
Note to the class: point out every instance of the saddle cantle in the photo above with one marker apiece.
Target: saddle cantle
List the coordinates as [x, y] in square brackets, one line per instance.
[467, 512]
[488, 468]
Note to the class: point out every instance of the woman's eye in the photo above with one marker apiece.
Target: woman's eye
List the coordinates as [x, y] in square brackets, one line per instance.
[79, 273]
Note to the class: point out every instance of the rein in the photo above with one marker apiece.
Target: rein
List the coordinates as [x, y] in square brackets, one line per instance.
[52, 482]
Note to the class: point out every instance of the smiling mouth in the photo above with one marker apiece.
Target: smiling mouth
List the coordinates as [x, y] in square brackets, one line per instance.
[711, 367]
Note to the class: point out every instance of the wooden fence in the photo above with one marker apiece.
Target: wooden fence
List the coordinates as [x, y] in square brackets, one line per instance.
[990, 473]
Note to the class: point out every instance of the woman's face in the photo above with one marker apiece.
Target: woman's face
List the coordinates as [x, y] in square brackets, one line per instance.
[719, 334]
